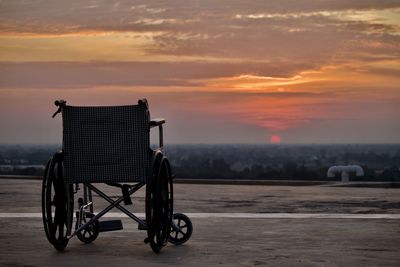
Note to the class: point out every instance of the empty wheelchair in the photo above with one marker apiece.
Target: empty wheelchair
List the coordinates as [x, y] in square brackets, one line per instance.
[110, 145]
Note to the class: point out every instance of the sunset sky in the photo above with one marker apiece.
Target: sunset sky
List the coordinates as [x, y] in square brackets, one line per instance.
[235, 71]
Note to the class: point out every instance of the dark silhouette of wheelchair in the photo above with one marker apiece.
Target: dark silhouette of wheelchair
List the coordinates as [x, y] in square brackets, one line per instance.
[110, 145]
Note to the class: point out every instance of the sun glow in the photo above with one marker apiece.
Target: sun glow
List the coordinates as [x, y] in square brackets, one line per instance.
[275, 139]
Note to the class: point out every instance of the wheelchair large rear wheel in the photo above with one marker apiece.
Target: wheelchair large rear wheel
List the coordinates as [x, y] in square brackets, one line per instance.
[159, 205]
[57, 204]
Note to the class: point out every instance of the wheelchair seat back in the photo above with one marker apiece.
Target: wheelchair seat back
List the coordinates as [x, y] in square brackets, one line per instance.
[106, 144]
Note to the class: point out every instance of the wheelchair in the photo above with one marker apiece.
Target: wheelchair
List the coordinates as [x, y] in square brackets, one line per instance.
[109, 145]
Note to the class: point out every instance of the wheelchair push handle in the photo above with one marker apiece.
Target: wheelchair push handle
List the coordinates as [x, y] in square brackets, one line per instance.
[144, 102]
[60, 104]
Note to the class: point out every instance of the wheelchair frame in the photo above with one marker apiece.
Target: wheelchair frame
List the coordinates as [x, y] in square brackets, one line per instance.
[161, 224]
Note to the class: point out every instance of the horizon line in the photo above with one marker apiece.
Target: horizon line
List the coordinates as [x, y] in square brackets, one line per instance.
[219, 144]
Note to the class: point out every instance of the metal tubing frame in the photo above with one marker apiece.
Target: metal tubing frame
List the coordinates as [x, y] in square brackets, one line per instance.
[160, 136]
[85, 195]
[90, 200]
[113, 204]
[176, 227]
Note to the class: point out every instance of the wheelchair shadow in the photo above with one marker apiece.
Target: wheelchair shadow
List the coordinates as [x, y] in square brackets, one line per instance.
[120, 251]
[126, 244]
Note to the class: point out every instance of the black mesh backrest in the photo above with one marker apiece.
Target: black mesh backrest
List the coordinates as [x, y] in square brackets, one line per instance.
[106, 144]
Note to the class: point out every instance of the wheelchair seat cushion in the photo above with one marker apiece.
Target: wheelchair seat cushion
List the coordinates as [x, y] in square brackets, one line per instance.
[106, 144]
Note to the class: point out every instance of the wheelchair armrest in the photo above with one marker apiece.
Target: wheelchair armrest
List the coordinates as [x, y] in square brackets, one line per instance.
[156, 122]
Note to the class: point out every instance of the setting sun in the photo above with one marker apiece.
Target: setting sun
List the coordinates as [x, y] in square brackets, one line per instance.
[275, 139]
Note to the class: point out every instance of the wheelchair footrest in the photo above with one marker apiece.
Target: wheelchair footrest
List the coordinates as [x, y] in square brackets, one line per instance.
[112, 225]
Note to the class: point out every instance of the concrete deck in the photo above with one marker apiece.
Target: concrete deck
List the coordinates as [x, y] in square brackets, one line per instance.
[270, 226]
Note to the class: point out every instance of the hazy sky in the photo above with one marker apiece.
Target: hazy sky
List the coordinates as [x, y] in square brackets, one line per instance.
[218, 71]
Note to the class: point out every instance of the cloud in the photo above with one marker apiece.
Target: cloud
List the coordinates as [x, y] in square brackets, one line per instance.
[91, 74]
[301, 32]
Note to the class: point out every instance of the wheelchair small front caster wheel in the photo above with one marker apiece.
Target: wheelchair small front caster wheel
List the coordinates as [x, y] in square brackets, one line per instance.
[181, 229]
[90, 233]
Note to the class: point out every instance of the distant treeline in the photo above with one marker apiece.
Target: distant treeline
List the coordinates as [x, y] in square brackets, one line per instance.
[294, 162]
[302, 162]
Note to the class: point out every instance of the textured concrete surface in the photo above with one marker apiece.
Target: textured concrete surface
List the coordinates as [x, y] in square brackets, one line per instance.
[222, 241]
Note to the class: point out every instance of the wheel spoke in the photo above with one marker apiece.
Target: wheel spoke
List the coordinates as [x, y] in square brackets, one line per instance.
[158, 237]
[61, 230]
[53, 230]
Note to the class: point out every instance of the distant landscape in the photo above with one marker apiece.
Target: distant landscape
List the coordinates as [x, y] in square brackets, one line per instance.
[256, 162]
